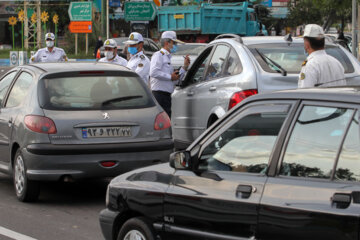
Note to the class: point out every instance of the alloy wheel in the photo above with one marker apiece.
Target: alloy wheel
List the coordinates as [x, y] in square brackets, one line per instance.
[134, 235]
[19, 175]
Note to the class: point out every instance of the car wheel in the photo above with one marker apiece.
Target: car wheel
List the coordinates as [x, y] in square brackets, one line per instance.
[136, 229]
[26, 190]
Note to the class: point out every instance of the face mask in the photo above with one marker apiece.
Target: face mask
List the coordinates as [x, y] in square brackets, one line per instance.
[49, 44]
[174, 49]
[132, 50]
[306, 53]
[109, 55]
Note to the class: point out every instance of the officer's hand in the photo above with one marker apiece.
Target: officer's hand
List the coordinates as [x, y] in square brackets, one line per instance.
[186, 62]
[175, 76]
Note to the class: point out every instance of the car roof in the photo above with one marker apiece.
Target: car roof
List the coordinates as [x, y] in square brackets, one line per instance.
[59, 67]
[348, 94]
[265, 39]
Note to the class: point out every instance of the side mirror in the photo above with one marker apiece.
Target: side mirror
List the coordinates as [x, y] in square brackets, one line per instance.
[180, 160]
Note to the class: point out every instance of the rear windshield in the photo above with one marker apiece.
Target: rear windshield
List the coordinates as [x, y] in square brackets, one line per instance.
[94, 93]
[291, 57]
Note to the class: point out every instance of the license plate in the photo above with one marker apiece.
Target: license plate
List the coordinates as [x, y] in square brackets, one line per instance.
[104, 132]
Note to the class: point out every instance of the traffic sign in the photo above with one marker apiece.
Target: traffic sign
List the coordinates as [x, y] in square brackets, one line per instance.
[14, 58]
[140, 11]
[80, 27]
[80, 11]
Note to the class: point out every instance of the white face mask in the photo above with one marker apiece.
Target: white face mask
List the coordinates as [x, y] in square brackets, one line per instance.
[49, 44]
[109, 55]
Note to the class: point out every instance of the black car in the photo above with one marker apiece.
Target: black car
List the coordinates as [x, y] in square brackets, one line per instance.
[283, 165]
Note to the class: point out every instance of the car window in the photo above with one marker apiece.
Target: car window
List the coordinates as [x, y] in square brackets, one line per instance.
[291, 57]
[4, 85]
[19, 90]
[233, 65]
[314, 142]
[348, 167]
[147, 46]
[217, 62]
[189, 49]
[91, 93]
[153, 47]
[246, 145]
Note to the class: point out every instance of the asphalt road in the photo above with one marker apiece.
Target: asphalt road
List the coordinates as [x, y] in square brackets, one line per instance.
[65, 211]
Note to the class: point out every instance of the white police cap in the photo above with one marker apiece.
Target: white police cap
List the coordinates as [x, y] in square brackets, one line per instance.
[49, 36]
[134, 38]
[111, 43]
[171, 35]
[314, 31]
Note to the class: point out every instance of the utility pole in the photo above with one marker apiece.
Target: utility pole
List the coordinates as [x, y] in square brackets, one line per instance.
[38, 24]
[26, 26]
[103, 18]
[354, 27]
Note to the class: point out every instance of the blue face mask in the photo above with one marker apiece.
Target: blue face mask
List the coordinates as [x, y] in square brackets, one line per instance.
[306, 53]
[132, 50]
[174, 49]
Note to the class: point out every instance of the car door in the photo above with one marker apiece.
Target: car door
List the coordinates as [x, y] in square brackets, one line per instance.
[219, 199]
[315, 193]
[11, 110]
[183, 116]
[5, 84]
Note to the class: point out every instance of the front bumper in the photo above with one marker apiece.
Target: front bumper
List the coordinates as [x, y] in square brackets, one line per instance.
[107, 221]
[48, 162]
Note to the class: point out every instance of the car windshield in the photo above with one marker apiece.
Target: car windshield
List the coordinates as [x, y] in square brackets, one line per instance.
[291, 57]
[120, 41]
[93, 93]
[189, 49]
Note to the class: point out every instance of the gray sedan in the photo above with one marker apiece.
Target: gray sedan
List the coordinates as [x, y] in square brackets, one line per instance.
[69, 121]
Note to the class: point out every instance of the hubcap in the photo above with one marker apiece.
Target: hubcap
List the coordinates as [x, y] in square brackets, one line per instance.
[19, 175]
[134, 235]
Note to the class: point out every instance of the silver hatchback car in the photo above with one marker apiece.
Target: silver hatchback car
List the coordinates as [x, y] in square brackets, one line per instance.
[69, 121]
[232, 68]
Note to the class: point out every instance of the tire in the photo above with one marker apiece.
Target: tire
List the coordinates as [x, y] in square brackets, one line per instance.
[136, 229]
[25, 189]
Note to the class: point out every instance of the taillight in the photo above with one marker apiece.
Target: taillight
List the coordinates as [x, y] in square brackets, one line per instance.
[162, 121]
[239, 96]
[40, 124]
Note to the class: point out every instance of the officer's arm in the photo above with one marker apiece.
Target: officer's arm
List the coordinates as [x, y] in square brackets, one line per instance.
[155, 68]
[312, 77]
[64, 57]
[143, 69]
[34, 58]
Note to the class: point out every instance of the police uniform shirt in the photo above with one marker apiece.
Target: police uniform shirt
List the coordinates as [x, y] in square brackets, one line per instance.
[321, 69]
[117, 60]
[161, 70]
[140, 64]
[44, 55]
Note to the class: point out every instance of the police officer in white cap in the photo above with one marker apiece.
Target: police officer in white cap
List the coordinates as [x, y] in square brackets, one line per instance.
[319, 68]
[50, 53]
[111, 55]
[163, 77]
[138, 61]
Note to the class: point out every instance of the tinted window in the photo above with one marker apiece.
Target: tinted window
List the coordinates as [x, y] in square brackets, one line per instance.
[314, 142]
[217, 62]
[19, 90]
[291, 57]
[233, 65]
[245, 146]
[196, 72]
[100, 92]
[348, 167]
[189, 49]
[4, 85]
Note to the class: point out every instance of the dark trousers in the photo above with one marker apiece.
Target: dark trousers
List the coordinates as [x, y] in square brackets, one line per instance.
[164, 99]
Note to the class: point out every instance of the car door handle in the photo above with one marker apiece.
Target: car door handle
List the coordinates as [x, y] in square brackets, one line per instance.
[341, 200]
[244, 191]
[212, 88]
[190, 93]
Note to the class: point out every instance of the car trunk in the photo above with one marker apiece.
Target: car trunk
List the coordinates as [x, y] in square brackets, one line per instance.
[103, 126]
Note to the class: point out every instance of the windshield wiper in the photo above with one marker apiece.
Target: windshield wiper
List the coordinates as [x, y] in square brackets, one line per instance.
[120, 99]
[266, 59]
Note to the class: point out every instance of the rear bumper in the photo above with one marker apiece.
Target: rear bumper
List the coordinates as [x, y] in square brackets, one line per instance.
[52, 162]
[71, 149]
[107, 223]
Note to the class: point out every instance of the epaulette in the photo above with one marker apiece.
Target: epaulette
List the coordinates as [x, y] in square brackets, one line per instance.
[162, 52]
[304, 63]
[142, 57]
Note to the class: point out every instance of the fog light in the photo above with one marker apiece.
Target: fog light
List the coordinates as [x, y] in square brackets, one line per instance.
[108, 163]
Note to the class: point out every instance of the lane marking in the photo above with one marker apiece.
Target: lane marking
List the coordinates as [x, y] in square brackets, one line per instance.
[14, 235]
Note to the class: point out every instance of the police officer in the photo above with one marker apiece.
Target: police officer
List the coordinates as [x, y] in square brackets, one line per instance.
[111, 53]
[163, 77]
[319, 68]
[50, 53]
[138, 61]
